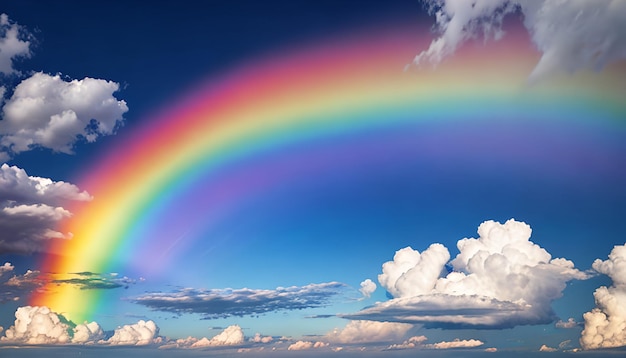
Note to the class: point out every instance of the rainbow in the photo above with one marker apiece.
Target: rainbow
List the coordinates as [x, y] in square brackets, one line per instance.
[286, 118]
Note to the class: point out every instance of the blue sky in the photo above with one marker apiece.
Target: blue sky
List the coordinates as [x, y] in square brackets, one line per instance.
[292, 263]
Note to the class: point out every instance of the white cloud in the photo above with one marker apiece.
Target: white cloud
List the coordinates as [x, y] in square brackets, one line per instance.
[571, 323]
[139, 334]
[457, 343]
[367, 288]
[258, 338]
[571, 35]
[501, 279]
[605, 324]
[7, 267]
[231, 336]
[49, 112]
[38, 325]
[304, 345]
[30, 209]
[491, 349]
[88, 333]
[413, 342]
[368, 331]
[13, 44]
[545, 348]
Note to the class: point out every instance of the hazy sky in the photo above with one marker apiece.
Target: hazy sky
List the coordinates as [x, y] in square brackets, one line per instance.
[317, 176]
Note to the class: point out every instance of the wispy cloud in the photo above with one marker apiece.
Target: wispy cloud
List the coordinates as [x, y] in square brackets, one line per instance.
[220, 303]
[571, 35]
[15, 286]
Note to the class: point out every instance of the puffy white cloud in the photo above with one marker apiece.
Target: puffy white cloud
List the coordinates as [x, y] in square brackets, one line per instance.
[413, 342]
[16, 185]
[49, 112]
[13, 44]
[457, 343]
[571, 35]
[367, 288]
[30, 209]
[139, 334]
[501, 279]
[368, 331]
[545, 348]
[218, 303]
[38, 325]
[303, 345]
[7, 267]
[411, 273]
[605, 325]
[88, 333]
[491, 349]
[258, 338]
[231, 336]
[571, 323]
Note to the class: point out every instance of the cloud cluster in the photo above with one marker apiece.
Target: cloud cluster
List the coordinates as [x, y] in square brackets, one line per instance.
[220, 303]
[38, 325]
[304, 345]
[367, 332]
[571, 35]
[47, 111]
[605, 325]
[457, 343]
[141, 333]
[13, 44]
[500, 279]
[231, 336]
[30, 209]
[570, 323]
[258, 338]
[413, 342]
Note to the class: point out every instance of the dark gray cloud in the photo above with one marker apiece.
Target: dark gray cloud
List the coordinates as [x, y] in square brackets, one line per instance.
[15, 286]
[220, 303]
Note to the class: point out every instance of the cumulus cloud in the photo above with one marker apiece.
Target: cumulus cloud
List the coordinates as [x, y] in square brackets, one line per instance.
[368, 331]
[605, 324]
[30, 209]
[13, 44]
[367, 288]
[571, 323]
[47, 111]
[571, 35]
[38, 325]
[491, 349]
[18, 286]
[258, 338]
[545, 348]
[304, 345]
[231, 336]
[457, 343]
[141, 333]
[88, 333]
[501, 279]
[220, 303]
[413, 342]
